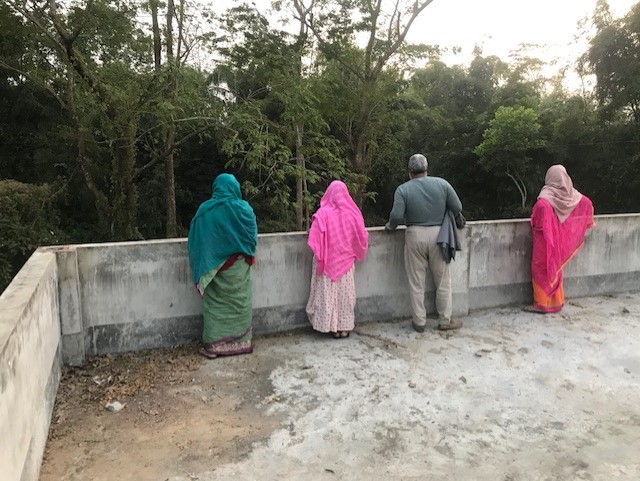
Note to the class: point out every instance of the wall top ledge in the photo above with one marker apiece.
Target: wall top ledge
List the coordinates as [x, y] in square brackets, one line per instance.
[270, 235]
[19, 293]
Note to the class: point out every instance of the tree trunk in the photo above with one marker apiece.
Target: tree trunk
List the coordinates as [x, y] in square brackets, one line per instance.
[307, 214]
[169, 133]
[170, 191]
[122, 133]
[157, 45]
[300, 178]
[359, 138]
[101, 201]
[521, 188]
[125, 198]
[360, 165]
[169, 39]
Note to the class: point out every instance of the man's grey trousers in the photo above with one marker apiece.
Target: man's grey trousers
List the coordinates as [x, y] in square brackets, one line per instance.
[420, 254]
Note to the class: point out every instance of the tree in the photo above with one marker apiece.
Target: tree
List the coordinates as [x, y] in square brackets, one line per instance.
[274, 131]
[101, 94]
[454, 106]
[181, 108]
[335, 25]
[28, 219]
[125, 110]
[512, 135]
[27, 111]
[614, 58]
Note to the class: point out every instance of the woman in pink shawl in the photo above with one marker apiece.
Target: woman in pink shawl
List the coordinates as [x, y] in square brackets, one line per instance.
[559, 221]
[337, 238]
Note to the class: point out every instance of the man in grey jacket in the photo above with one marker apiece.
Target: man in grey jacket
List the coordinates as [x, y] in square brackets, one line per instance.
[421, 204]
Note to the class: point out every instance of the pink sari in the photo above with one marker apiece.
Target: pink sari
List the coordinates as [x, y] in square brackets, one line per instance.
[554, 245]
[337, 236]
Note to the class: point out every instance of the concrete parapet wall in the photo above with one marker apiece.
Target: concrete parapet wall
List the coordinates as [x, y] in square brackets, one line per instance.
[137, 295]
[127, 296]
[30, 364]
[499, 263]
[500, 258]
[609, 260]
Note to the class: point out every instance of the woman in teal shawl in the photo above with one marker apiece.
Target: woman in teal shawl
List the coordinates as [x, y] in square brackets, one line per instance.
[222, 246]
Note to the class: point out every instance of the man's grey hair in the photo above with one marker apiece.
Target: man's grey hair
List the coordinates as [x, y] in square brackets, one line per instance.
[418, 164]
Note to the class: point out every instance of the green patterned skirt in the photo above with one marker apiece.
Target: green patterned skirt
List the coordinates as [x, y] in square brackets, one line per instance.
[227, 310]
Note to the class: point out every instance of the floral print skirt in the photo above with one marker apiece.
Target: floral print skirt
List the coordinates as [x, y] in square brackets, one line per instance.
[331, 304]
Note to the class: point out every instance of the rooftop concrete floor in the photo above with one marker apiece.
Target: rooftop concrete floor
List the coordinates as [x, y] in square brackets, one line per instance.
[512, 396]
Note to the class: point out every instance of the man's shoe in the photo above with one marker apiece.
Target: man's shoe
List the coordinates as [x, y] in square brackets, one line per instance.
[418, 327]
[451, 326]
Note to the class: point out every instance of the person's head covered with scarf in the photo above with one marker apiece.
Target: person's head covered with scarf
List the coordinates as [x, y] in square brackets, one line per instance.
[338, 236]
[558, 190]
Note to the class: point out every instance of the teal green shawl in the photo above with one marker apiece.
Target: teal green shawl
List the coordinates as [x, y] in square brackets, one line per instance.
[223, 225]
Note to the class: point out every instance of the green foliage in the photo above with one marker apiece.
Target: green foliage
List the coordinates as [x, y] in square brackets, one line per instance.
[274, 131]
[111, 34]
[512, 135]
[27, 220]
[287, 113]
[614, 57]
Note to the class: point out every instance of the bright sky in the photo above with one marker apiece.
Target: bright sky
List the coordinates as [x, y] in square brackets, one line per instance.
[500, 26]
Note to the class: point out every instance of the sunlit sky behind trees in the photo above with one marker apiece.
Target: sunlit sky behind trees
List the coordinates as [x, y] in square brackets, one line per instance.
[555, 31]
[500, 26]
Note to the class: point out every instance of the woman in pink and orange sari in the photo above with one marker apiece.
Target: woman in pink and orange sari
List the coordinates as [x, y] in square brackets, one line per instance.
[337, 238]
[559, 221]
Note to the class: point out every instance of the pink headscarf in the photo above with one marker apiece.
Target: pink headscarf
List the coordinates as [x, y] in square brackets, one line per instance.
[559, 192]
[337, 237]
